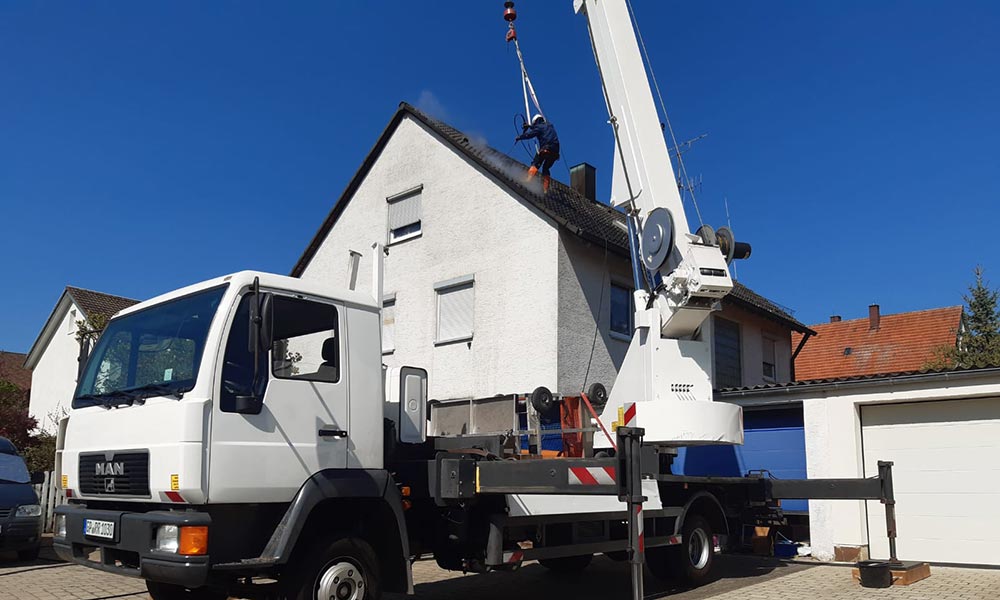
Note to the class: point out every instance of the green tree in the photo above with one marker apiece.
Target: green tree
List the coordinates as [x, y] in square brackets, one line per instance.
[979, 344]
[15, 423]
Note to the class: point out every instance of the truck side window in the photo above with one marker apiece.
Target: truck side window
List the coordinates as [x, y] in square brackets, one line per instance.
[306, 340]
[237, 371]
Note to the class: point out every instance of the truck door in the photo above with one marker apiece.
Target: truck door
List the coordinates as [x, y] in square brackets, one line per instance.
[302, 425]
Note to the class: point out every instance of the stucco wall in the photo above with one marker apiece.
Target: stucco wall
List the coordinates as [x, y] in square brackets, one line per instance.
[53, 380]
[585, 278]
[470, 226]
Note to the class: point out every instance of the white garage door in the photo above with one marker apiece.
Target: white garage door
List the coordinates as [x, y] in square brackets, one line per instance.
[946, 477]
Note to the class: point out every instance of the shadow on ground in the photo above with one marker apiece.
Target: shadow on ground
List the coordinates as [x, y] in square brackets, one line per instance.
[604, 578]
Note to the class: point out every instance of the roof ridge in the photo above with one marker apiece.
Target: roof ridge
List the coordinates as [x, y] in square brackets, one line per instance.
[883, 316]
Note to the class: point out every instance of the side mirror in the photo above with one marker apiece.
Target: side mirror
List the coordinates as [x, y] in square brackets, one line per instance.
[412, 405]
[248, 405]
[38, 477]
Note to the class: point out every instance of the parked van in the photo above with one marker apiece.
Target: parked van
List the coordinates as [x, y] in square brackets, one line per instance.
[20, 513]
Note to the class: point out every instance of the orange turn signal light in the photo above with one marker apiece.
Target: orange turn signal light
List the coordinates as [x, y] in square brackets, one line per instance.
[194, 540]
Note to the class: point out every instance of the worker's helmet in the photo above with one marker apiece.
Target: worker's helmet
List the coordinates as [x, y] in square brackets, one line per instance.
[535, 120]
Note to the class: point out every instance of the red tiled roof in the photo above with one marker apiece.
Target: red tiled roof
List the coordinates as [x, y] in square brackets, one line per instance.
[902, 342]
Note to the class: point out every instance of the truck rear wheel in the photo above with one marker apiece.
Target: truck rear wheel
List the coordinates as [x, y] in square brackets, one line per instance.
[169, 591]
[567, 564]
[689, 563]
[346, 569]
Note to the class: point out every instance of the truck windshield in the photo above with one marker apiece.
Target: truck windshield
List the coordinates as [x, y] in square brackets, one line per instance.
[153, 352]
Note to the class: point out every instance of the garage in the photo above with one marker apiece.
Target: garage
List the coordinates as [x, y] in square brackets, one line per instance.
[946, 477]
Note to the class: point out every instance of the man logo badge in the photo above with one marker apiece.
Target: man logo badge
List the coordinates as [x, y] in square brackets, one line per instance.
[109, 469]
[109, 486]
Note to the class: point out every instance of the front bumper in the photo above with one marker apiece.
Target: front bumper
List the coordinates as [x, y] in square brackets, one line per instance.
[131, 551]
[20, 533]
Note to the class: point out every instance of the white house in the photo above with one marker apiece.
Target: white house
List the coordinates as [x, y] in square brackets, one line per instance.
[496, 288]
[941, 429]
[54, 357]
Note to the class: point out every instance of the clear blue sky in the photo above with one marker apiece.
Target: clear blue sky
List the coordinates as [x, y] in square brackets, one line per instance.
[144, 146]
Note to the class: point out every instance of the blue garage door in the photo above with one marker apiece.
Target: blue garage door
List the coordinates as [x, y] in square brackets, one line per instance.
[774, 439]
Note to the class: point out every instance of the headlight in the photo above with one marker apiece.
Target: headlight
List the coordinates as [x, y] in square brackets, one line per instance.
[167, 538]
[28, 510]
[60, 526]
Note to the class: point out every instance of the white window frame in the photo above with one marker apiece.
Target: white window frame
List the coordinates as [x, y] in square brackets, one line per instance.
[400, 197]
[617, 335]
[445, 287]
[389, 301]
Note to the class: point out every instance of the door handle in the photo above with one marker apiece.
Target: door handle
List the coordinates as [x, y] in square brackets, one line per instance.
[331, 432]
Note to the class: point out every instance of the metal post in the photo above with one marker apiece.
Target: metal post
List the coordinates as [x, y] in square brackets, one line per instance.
[889, 500]
[630, 492]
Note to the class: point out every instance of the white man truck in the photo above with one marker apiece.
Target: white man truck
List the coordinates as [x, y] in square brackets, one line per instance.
[241, 437]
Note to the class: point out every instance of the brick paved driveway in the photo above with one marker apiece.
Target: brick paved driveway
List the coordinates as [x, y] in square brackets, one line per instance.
[744, 578]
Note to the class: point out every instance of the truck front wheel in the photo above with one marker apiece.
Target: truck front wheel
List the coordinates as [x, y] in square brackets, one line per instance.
[169, 591]
[345, 569]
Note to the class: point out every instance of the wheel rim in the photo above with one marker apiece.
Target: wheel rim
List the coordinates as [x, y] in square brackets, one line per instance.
[342, 580]
[698, 548]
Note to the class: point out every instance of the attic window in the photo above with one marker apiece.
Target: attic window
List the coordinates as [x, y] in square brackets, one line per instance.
[404, 215]
[847, 351]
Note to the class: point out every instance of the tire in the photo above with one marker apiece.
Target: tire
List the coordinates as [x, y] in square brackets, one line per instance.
[169, 591]
[567, 564]
[598, 395]
[542, 401]
[345, 569]
[28, 555]
[690, 563]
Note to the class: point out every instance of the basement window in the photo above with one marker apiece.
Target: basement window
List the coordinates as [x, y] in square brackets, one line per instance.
[405, 215]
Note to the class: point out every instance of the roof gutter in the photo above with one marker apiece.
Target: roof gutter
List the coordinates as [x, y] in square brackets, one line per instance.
[794, 388]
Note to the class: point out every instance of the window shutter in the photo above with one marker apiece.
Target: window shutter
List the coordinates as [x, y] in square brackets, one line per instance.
[405, 211]
[455, 312]
[728, 359]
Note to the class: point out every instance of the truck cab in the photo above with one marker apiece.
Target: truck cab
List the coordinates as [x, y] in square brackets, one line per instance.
[203, 415]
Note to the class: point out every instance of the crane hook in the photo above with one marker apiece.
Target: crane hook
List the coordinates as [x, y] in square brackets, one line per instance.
[509, 15]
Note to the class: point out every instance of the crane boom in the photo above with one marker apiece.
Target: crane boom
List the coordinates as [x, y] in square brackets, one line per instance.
[667, 371]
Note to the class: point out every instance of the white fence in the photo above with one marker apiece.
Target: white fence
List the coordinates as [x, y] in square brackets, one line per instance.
[50, 495]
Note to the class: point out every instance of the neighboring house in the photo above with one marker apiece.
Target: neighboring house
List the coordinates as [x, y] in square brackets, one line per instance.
[54, 357]
[877, 344]
[12, 370]
[496, 288]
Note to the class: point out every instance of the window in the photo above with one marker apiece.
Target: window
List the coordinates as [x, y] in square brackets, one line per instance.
[455, 299]
[767, 352]
[404, 215]
[728, 358]
[237, 372]
[151, 352]
[71, 322]
[388, 324]
[306, 340]
[621, 310]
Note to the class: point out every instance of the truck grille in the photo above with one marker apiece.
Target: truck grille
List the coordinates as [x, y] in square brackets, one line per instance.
[124, 474]
[5, 512]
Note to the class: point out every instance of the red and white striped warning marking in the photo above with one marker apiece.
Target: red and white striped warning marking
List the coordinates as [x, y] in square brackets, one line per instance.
[513, 557]
[591, 475]
[628, 419]
[642, 536]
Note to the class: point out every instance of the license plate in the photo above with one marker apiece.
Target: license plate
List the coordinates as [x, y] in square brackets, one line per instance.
[101, 529]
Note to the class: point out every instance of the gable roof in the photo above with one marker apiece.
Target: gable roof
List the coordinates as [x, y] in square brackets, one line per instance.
[903, 342]
[91, 302]
[88, 301]
[593, 221]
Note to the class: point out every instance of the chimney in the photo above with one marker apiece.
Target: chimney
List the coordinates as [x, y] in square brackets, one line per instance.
[873, 317]
[835, 318]
[583, 179]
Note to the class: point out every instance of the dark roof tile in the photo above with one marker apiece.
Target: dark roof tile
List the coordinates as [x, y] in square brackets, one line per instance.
[91, 302]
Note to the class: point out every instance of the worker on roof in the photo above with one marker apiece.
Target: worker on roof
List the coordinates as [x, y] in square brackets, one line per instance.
[548, 148]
